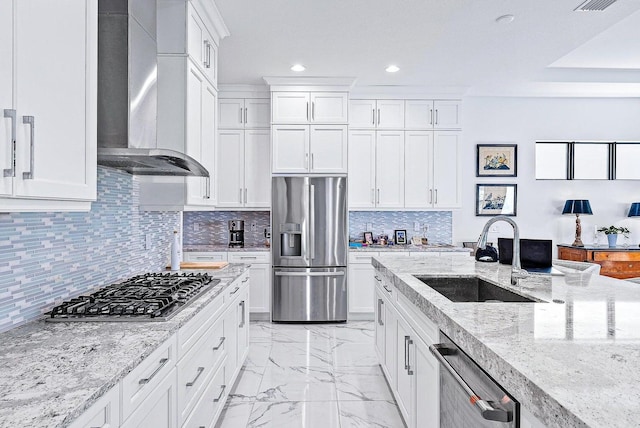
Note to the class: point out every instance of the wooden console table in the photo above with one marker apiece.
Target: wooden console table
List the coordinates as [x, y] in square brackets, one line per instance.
[616, 262]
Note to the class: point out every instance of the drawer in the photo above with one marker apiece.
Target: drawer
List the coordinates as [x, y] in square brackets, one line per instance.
[103, 413]
[620, 269]
[425, 254]
[396, 253]
[197, 366]
[384, 286]
[220, 256]
[235, 289]
[211, 403]
[250, 257]
[137, 385]
[362, 257]
[191, 332]
[621, 256]
[425, 328]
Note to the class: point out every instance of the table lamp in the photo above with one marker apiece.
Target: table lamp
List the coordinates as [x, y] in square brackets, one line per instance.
[577, 207]
[634, 210]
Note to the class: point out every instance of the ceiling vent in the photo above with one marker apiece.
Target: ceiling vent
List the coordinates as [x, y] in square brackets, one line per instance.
[595, 5]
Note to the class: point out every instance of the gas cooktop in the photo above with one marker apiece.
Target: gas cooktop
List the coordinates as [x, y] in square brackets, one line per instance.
[146, 297]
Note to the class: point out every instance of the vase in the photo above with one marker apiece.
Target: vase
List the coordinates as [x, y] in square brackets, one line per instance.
[612, 238]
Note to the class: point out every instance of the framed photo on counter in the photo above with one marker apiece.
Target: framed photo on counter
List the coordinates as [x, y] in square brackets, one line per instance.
[400, 236]
[368, 238]
[497, 160]
[496, 199]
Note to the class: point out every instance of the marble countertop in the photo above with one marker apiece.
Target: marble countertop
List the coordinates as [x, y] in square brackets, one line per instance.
[52, 372]
[222, 247]
[573, 359]
[416, 248]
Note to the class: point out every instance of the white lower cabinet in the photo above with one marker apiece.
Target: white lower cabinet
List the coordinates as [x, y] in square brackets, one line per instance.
[260, 271]
[186, 380]
[361, 300]
[410, 369]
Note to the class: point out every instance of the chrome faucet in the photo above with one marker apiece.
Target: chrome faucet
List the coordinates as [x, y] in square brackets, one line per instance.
[516, 268]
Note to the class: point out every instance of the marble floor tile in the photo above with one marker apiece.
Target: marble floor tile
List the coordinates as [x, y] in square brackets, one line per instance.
[248, 384]
[288, 333]
[311, 354]
[354, 355]
[369, 414]
[362, 383]
[235, 414]
[353, 332]
[297, 384]
[295, 415]
[258, 355]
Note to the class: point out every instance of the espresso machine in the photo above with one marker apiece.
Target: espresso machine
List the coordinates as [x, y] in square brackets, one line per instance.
[236, 233]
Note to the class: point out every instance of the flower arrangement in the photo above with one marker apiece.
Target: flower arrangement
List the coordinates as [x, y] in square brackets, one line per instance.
[613, 230]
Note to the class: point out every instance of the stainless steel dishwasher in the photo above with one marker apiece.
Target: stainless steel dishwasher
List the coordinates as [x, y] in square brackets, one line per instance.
[469, 397]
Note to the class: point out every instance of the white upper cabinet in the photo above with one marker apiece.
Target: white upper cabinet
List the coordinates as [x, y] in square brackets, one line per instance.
[312, 149]
[193, 28]
[429, 114]
[244, 179]
[309, 107]
[446, 169]
[48, 117]
[380, 114]
[362, 169]
[240, 113]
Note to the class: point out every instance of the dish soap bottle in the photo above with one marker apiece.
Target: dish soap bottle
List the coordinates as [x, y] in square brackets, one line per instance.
[175, 251]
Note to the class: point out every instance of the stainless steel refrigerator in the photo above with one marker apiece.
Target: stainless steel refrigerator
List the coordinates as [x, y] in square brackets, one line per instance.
[309, 248]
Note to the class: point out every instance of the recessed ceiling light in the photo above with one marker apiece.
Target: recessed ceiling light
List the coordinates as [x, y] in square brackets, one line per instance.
[392, 69]
[298, 67]
[505, 19]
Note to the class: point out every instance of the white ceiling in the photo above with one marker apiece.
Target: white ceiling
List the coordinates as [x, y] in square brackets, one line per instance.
[438, 43]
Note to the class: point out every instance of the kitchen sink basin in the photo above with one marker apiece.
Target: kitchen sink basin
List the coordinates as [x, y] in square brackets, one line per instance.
[471, 289]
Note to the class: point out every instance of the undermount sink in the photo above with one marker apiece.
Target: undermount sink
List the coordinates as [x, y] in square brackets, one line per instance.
[472, 289]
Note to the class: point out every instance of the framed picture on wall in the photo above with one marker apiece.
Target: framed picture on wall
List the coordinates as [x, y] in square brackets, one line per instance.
[496, 199]
[497, 160]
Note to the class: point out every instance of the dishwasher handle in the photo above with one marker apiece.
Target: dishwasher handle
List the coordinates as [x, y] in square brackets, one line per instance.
[488, 412]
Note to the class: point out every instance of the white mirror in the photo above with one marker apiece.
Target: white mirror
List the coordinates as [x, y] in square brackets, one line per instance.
[628, 161]
[551, 161]
[591, 161]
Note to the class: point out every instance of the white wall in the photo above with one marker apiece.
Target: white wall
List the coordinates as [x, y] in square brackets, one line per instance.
[539, 205]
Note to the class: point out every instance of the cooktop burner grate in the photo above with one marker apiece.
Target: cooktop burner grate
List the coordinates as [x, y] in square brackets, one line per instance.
[146, 297]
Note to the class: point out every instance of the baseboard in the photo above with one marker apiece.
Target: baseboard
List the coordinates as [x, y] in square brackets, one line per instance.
[362, 316]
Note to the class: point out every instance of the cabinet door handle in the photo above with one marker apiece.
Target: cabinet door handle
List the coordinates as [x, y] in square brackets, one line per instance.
[436, 116]
[409, 343]
[245, 115]
[430, 196]
[307, 110]
[30, 120]
[373, 116]
[240, 114]
[431, 117]
[379, 116]
[207, 188]
[306, 160]
[222, 339]
[161, 364]
[11, 114]
[193, 382]
[436, 201]
[222, 388]
[378, 201]
[380, 303]
[245, 195]
[240, 195]
[313, 111]
[406, 353]
[312, 161]
[242, 304]
[206, 54]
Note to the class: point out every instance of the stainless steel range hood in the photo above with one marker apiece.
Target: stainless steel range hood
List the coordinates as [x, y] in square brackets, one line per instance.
[127, 93]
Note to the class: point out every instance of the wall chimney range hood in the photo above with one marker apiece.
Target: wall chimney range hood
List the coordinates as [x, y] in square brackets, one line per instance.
[127, 93]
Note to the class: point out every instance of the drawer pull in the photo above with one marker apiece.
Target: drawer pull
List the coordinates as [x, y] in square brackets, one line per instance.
[386, 288]
[235, 290]
[222, 388]
[248, 257]
[242, 305]
[363, 258]
[222, 339]
[245, 280]
[377, 279]
[155, 372]
[193, 382]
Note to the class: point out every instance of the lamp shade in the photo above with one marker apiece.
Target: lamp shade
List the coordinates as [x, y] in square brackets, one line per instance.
[577, 206]
[634, 211]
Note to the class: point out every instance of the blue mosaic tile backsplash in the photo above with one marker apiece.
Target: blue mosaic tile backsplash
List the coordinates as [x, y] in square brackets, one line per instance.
[211, 227]
[48, 257]
[439, 224]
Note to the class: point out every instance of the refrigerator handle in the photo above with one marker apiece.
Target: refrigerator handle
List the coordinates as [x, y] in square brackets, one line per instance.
[312, 221]
[286, 273]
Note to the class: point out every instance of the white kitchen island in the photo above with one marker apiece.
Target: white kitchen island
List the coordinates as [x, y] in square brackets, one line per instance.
[572, 359]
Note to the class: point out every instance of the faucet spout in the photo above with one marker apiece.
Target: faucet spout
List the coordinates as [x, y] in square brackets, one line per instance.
[516, 268]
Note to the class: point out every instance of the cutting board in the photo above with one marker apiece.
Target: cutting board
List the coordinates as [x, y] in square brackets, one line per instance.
[202, 265]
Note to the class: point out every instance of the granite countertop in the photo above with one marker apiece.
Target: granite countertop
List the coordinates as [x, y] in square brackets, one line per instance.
[439, 248]
[573, 359]
[223, 247]
[52, 372]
